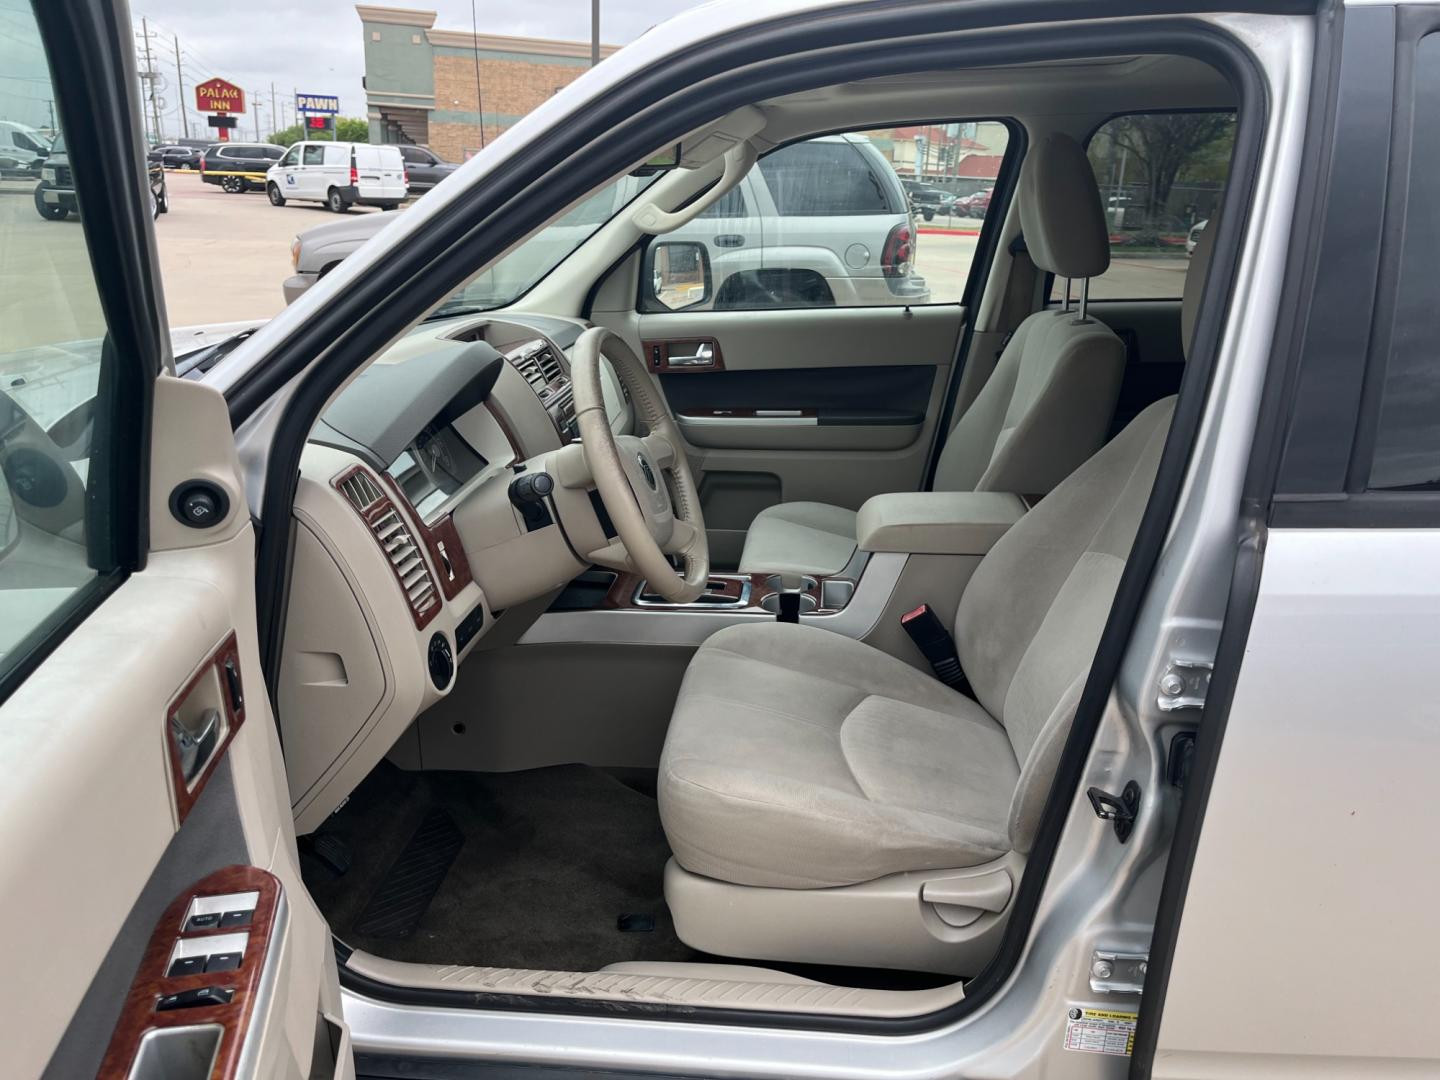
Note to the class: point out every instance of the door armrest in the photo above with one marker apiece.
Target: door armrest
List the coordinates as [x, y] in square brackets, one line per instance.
[937, 522]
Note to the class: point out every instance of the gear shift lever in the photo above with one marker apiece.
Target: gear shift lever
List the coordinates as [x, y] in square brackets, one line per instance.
[791, 586]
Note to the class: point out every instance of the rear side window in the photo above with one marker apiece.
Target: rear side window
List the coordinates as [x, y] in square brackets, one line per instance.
[1407, 436]
[1161, 176]
[828, 223]
[827, 178]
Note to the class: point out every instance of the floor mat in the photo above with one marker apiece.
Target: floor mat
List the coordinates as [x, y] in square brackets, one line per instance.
[550, 860]
[405, 892]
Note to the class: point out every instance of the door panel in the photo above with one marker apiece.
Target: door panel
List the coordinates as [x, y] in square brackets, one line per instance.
[138, 753]
[866, 384]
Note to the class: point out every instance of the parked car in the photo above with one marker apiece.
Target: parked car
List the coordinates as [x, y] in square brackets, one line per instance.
[176, 157]
[975, 205]
[340, 175]
[927, 200]
[238, 167]
[55, 194]
[22, 149]
[817, 205]
[425, 168]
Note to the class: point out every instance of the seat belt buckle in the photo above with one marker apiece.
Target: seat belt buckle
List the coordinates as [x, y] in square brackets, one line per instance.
[936, 645]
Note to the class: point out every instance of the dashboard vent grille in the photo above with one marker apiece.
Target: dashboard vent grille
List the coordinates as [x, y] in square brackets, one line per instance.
[404, 555]
[549, 365]
[529, 366]
[362, 491]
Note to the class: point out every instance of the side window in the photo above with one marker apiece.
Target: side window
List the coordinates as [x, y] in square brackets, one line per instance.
[1161, 176]
[52, 337]
[314, 155]
[291, 156]
[858, 219]
[1407, 437]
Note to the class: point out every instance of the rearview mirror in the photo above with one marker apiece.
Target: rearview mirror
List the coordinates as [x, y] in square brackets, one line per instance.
[676, 275]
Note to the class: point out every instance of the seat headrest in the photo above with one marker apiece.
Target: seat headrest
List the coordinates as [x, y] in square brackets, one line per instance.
[1060, 210]
[1195, 281]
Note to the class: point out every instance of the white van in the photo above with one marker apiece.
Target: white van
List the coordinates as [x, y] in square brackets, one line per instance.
[22, 149]
[339, 174]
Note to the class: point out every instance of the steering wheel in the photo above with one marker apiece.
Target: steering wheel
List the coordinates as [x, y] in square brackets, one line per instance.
[630, 474]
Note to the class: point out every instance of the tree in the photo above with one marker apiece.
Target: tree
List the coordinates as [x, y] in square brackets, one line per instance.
[1166, 144]
[347, 129]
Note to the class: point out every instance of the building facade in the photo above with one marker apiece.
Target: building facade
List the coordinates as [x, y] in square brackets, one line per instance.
[452, 90]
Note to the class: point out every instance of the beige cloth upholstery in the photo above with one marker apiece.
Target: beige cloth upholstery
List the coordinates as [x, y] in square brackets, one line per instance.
[1045, 408]
[937, 522]
[799, 538]
[798, 758]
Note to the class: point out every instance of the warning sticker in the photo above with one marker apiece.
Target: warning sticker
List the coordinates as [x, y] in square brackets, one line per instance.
[1100, 1031]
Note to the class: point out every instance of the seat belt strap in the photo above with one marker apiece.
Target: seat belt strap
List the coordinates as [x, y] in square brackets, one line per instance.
[937, 646]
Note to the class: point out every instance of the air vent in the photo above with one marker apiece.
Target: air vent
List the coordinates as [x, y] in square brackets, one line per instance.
[404, 555]
[393, 534]
[527, 365]
[549, 365]
[362, 491]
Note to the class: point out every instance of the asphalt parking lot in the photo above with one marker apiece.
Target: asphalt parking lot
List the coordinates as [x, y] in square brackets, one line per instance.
[223, 258]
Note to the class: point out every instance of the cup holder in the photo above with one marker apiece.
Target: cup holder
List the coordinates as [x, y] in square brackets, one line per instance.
[771, 603]
[807, 584]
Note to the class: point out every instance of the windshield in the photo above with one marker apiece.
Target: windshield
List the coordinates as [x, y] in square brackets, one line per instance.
[515, 274]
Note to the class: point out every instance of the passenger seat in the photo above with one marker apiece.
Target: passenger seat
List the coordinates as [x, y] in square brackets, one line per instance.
[1044, 410]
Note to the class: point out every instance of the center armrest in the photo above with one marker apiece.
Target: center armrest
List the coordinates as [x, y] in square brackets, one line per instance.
[937, 522]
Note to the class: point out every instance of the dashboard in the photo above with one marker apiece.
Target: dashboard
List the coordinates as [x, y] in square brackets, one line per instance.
[415, 534]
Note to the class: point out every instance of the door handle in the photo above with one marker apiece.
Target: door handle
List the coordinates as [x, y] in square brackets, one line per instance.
[195, 747]
[704, 356]
[729, 240]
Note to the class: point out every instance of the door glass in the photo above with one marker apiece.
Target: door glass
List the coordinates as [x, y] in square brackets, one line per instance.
[882, 217]
[1161, 176]
[52, 331]
[314, 155]
[291, 156]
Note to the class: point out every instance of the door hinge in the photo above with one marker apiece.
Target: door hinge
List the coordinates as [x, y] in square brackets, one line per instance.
[1118, 972]
[1121, 809]
[1184, 684]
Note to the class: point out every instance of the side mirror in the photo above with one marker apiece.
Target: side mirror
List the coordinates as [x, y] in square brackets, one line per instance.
[676, 276]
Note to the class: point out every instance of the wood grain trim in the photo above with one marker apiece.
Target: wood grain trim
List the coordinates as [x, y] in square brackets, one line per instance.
[187, 794]
[379, 508]
[658, 352]
[151, 983]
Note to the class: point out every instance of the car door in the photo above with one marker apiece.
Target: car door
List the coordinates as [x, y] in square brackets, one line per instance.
[152, 917]
[287, 177]
[310, 176]
[797, 368]
[421, 166]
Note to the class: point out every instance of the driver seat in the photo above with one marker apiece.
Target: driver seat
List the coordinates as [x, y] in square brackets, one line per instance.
[828, 803]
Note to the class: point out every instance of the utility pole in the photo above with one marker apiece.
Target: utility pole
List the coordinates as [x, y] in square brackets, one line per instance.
[180, 91]
[255, 97]
[150, 75]
[594, 32]
[275, 117]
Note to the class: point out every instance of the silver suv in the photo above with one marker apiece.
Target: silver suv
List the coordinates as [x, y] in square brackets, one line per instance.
[819, 223]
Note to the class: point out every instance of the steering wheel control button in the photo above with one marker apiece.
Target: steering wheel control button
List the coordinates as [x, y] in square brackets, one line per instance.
[442, 661]
[199, 504]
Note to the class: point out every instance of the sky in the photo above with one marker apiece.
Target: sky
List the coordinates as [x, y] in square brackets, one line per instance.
[316, 46]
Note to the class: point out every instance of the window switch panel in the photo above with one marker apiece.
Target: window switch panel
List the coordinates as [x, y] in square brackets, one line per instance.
[198, 998]
[223, 962]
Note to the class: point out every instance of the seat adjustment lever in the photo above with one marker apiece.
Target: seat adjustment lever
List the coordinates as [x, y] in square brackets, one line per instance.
[1120, 809]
